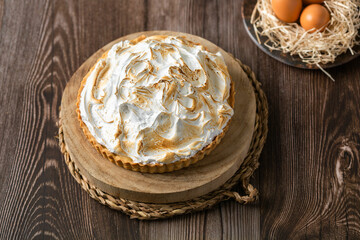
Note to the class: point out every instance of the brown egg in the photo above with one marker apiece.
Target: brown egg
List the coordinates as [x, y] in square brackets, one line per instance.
[287, 10]
[314, 16]
[306, 2]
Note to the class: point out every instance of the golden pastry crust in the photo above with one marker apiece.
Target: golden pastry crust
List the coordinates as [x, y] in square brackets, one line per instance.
[127, 162]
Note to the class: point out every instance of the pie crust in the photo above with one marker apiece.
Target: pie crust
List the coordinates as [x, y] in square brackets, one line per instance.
[127, 162]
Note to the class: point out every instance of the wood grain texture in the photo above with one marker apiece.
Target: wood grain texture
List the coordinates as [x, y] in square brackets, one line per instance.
[313, 183]
[309, 170]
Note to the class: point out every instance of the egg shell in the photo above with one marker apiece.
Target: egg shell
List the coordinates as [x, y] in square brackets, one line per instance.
[314, 16]
[287, 10]
[306, 2]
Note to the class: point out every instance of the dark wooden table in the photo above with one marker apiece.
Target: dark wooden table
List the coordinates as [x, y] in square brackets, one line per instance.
[310, 169]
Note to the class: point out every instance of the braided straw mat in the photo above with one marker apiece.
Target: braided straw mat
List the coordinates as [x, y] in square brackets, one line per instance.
[150, 211]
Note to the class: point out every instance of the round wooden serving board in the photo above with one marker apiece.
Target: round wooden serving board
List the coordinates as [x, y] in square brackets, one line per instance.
[201, 178]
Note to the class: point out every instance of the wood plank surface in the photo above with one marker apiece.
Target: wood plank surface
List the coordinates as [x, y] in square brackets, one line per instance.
[310, 167]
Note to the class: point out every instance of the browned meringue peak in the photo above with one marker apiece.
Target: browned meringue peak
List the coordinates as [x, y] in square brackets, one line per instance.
[157, 99]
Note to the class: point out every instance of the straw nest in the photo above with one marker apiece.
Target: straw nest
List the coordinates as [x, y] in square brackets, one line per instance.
[316, 48]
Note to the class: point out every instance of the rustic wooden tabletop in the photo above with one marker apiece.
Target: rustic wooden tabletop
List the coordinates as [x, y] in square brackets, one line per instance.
[309, 177]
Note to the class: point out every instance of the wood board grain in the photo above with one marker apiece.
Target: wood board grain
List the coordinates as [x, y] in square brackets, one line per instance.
[185, 184]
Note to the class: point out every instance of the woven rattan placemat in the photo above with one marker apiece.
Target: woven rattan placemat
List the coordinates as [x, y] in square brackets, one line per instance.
[149, 211]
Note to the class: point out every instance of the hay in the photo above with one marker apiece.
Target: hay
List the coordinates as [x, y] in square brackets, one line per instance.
[313, 48]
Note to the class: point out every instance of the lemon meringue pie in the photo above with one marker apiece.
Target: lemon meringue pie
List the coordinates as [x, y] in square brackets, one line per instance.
[156, 104]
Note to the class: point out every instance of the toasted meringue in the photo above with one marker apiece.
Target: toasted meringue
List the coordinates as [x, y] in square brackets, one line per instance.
[156, 100]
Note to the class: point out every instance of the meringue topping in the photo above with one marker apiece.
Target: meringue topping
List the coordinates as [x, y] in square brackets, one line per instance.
[157, 99]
